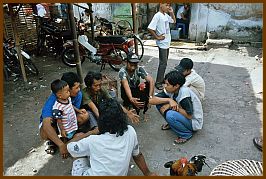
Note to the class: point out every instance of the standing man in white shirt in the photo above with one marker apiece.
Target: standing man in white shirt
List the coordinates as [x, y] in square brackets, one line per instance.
[160, 29]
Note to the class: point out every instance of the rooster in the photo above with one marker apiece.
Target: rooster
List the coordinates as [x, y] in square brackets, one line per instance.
[183, 167]
[143, 95]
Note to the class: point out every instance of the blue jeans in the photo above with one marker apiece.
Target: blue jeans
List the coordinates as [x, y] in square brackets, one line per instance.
[178, 123]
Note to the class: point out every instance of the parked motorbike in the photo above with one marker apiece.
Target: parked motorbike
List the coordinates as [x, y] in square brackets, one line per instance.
[110, 49]
[11, 61]
[106, 27]
[51, 37]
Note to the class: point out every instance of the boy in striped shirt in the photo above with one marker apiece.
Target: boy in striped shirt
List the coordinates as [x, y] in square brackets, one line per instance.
[63, 110]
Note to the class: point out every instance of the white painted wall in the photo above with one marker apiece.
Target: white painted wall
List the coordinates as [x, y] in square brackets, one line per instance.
[230, 20]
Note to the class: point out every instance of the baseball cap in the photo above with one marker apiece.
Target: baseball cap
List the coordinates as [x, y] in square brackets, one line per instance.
[133, 58]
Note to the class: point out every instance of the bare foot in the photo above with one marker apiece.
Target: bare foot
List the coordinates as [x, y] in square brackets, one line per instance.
[146, 117]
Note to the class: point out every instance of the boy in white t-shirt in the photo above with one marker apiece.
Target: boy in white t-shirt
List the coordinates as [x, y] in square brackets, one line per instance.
[193, 80]
[160, 29]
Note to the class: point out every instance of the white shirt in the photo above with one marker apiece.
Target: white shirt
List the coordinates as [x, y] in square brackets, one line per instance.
[109, 155]
[197, 117]
[41, 10]
[195, 82]
[179, 12]
[160, 24]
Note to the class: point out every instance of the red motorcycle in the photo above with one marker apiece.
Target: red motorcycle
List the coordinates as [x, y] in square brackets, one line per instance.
[110, 49]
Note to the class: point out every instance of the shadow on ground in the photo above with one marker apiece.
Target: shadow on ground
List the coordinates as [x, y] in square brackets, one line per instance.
[230, 119]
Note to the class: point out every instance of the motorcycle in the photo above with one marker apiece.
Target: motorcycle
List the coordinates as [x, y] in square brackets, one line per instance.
[51, 37]
[12, 63]
[110, 49]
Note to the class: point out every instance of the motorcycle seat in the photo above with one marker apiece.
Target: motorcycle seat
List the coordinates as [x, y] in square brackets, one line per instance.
[118, 39]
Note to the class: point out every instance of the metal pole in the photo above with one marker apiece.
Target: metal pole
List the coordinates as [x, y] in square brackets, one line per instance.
[135, 30]
[75, 42]
[17, 43]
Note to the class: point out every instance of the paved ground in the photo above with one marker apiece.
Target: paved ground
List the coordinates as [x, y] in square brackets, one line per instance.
[232, 113]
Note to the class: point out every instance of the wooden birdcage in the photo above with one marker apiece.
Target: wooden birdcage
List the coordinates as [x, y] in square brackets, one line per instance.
[238, 168]
[26, 27]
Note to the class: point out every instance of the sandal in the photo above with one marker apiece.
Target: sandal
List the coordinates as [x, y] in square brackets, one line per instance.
[165, 127]
[258, 142]
[50, 147]
[180, 141]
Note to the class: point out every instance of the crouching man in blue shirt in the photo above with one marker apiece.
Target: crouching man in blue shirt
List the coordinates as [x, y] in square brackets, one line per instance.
[48, 126]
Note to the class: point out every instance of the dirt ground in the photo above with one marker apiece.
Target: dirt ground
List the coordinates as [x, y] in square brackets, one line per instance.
[232, 113]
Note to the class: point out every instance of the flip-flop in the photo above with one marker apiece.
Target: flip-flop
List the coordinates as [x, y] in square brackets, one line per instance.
[50, 147]
[258, 143]
[180, 140]
[165, 127]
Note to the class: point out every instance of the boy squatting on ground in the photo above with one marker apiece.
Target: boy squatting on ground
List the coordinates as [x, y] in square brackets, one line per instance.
[47, 126]
[160, 30]
[131, 92]
[94, 94]
[186, 116]
[193, 80]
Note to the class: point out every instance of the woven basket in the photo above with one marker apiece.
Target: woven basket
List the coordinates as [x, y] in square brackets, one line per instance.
[238, 168]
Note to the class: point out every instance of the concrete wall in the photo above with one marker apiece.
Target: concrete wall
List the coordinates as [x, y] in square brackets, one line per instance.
[237, 21]
[102, 10]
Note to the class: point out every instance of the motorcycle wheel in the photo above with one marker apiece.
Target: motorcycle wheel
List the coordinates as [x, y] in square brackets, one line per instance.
[40, 45]
[140, 51]
[123, 27]
[68, 57]
[123, 54]
[30, 67]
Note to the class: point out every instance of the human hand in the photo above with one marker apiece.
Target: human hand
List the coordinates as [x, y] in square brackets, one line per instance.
[173, 105]
[152, 174]
[63, 150]
[82, 111]
[170, 10]
[161, 37]
[63, 133]
[133, 116]
[164, 108]
[137, 103]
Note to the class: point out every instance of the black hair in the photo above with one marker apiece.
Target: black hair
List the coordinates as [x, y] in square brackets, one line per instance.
[112, 118]
[90, 77]
[186, 63]
[71, 78]
[175, 77]
[58, 85]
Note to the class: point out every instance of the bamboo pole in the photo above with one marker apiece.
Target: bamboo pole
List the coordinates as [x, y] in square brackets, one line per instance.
[17, 40]
[135, 29]
[75, 42]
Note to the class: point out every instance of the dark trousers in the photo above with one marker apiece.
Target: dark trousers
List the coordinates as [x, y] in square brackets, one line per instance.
[136, 93]
[163, 58]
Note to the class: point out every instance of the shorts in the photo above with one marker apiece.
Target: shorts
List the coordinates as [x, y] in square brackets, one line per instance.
[71, 134]
[80, 167]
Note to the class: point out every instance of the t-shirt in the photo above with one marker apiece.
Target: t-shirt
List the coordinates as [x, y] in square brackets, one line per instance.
[160, 24]
[88, 97]
[48, 106]
[69, 120]
[108, 154]
[185, 92]
[179, 12]
[195, 82]
[134, 80]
